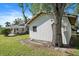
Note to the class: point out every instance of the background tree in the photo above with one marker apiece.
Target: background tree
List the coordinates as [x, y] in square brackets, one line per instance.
[21, 5]
[17, 21]
[37, 7]
[77, 22]
[78, 8]
[7, 24]
[0, 26]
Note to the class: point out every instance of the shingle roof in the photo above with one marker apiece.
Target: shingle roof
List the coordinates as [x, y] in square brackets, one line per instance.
[72, 21]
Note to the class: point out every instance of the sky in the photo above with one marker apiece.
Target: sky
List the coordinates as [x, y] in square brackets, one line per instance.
[9, 12]
[71, 8]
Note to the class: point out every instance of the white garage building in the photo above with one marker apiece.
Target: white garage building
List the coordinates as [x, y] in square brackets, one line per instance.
[40, 28]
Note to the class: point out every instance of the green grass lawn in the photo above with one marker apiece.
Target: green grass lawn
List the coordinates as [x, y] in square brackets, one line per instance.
[11, 46]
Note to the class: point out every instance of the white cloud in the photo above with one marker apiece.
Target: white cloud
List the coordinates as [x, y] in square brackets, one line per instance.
[12, 15]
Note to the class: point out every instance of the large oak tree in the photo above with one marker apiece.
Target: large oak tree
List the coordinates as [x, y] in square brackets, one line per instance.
[58, 12]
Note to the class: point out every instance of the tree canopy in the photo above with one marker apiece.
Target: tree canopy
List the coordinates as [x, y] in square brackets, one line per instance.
[7, 24]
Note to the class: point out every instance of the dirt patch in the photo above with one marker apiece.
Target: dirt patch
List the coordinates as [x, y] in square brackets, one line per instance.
[51, 50]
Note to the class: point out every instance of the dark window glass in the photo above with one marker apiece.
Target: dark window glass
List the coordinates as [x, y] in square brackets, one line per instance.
[34, 28]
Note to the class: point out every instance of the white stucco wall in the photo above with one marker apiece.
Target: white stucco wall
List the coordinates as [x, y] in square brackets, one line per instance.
[44, 29]
[66, 30]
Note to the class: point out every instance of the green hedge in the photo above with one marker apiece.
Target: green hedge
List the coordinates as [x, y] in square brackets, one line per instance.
[1, 29]
[5, 32]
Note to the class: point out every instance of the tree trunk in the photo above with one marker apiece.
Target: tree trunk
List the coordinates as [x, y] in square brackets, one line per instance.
[25, 18]
[58, 12]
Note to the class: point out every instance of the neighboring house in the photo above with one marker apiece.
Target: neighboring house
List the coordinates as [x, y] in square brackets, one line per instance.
[73, 20]
[18, 29]
[41, 27]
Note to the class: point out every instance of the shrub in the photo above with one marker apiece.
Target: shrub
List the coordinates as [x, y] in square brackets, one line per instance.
[5, 32]
[1, 30]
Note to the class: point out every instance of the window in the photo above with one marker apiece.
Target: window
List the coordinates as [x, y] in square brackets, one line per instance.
[34, 28]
